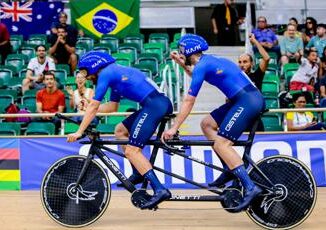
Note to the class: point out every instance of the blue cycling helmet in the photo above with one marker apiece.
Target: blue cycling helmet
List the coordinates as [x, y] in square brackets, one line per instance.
[191, 43]
[93, 61]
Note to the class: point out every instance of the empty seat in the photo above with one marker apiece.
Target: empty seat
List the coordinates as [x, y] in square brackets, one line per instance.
[40, 128]
[111, 40]
[10, 128]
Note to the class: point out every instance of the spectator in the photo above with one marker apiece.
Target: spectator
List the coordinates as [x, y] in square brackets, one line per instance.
[294, 22]
[36, 68]
[310, 29]
[246, 63]
[80, 98]
[50, 100]
[322, 66]
[299, 121]
[318, 41]
[291, 46]
[63, 48]
[322, 89]
[5, 46]
[266, 37]
[71, 31]
[224, 21]
[306, 73]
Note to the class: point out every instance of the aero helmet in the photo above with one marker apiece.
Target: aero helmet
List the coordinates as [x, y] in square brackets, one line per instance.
[93, 61]
[191, 43]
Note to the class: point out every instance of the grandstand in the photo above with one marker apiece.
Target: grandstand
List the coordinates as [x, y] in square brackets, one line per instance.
[28, 148]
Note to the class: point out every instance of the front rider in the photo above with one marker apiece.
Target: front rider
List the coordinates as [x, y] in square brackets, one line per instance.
[132, 84]
[231, 119]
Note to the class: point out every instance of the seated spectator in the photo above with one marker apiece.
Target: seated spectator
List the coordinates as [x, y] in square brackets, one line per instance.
[71, 31]
[291, 46]
[310, 29]
[318, 41]
[246, 63]
[80, 98]
[36, 68]
[5, 46]
[50, 100]
[306, 73]
[299, 121]
[63, 48]
[294, 22]
[322, 66]
[322, 94]
[266, 37]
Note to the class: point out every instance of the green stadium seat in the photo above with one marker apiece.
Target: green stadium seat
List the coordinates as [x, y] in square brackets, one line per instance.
[144, 69]
[16, 42]
[102, 48]
[176, 37]
[18, 61]
[105, 128]
[70, 127]
[10, 128]
[126, 104]
[36, 41]
[155, 48]
[40, 128]
[272, 102]
[174, 46]
[150, 63]
[135, 40]
[29, 102]
[5, 100]
[270, 88]
[6, 75]
[124, 59]
[80, 49]
[31, 92]
[28, 51]
[10, 92]
[271, 78]
[40, 36]
[22, 73]
[87, 41]
[60, 75]
[66, 67]
[272, 122]
[112, 40]
[130, 50]
[160, 38]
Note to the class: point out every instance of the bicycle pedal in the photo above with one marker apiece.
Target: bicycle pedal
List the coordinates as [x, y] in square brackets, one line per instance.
[140, 197]
[232, 198]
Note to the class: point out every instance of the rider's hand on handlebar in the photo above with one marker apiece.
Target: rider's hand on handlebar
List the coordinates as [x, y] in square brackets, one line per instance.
[168, 134]
[73, 136]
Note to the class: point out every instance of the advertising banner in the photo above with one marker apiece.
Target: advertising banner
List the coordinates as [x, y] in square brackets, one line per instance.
[38, 154]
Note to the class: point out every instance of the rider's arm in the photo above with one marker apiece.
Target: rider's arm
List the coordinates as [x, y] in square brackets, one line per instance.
[189, 100]
[109, 107]
[186, 107]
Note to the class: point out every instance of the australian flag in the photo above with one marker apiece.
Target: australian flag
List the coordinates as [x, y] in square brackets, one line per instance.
[29, 17]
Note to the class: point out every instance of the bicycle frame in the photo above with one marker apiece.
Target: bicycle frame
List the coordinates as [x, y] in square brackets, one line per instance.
[98, 145]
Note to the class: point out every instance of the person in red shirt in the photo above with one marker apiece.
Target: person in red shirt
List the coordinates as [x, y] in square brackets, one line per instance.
[5, 46]
[50, 100]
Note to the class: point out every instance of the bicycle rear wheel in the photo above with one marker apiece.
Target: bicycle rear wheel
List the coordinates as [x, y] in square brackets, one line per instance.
[295, 195]
[73, 206]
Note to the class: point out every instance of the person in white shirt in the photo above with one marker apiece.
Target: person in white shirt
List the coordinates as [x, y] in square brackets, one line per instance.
[36, 68]
[307, 73]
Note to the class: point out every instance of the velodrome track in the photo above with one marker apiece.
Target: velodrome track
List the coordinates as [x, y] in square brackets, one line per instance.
[22, 210]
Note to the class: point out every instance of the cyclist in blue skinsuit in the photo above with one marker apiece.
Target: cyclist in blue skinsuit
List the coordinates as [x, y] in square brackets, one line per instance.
[231, 119]
[132, 84]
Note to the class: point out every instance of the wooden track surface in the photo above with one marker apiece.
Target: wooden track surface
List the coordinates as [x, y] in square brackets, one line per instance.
[23, 210]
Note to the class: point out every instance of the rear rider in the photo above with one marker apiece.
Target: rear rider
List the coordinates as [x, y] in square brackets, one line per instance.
[231, 119]
[132, 84]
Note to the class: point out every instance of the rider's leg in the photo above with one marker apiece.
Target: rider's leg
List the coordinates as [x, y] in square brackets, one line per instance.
[121, 132]
[209, 128]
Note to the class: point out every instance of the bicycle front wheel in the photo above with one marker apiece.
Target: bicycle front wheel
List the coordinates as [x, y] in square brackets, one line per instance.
[294, 197]
[71, 205]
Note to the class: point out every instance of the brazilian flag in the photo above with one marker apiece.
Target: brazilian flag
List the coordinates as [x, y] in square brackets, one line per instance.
[98, 17]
